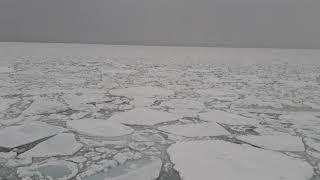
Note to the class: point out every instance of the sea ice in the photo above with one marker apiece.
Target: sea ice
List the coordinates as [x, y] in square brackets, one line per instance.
[226, 118]
[147, 91]
[97, 127]
[225, 161]
[194, 130]
[61, 144]
[143, 116]
[14, 136]
[275, 142]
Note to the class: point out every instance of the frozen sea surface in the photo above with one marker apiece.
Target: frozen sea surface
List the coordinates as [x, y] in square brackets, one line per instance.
[96, 112]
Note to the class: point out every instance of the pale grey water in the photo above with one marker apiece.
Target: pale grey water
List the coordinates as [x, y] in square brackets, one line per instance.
[55, 171]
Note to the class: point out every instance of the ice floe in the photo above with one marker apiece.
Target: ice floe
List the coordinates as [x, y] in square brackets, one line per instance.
[226, 118]
[275, 142]
[225, 161]
[143, 116]
[194, 130]
[14, 136]
[61, 144]
[98, 127]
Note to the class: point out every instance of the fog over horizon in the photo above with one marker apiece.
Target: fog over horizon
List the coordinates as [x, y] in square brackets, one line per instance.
[225, 23]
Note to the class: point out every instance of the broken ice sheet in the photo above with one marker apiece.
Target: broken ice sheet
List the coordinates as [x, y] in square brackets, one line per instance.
[98, 127]
[275, 142]
[194, 130]
[227, 161]
[27, 133]
[61, 144]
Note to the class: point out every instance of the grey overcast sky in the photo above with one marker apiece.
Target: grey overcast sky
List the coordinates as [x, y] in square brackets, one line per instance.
[228, 23]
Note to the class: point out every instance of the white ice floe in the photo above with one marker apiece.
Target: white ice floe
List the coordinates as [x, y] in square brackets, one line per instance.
[6, 69]
[183, 107]
[275, 142]
[194, 130]
[144, 91]
[143, 116]
[97, 127]
[61, 144]
[14, 136]
[140, 169]
[226, 118]
[45, 105]
[52, 168]
[225, 161]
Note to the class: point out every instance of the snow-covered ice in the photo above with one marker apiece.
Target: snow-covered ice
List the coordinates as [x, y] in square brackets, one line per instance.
[72, 111]
[98, 127]
[225, 161]
[143, 116]
[194, 130]
[275, 142]
[61, 144]
[14, 136]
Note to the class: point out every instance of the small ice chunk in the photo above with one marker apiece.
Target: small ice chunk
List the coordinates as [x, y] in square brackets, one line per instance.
[96, 127]
[14, 136]
[275, 142]
[194, 130]
[225, 161]
[147, 91]
[143, 116]
[226, 118]
[61, 144]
